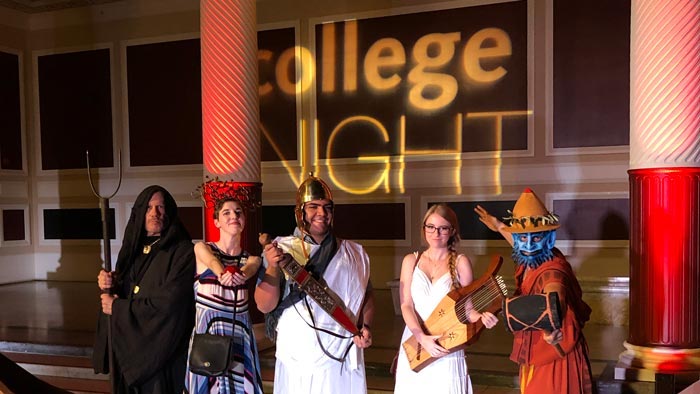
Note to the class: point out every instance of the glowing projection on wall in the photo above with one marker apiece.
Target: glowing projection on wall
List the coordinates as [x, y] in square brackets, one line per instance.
[441, 82]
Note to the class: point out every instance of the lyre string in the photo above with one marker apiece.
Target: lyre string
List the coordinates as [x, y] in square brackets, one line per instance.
[480, 306]
[481, 298]
[486, 292]
[484, 297]
[479, 303]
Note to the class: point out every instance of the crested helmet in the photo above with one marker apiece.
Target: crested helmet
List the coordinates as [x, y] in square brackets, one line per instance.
[313, 188]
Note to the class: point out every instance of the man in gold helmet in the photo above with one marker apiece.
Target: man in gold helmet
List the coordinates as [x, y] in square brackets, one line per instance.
[542, 268]
[314, 353]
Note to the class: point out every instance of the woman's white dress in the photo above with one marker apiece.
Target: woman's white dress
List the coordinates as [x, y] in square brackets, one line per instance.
[447, 374]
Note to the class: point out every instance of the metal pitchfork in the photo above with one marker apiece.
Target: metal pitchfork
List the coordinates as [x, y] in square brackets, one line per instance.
[104, 209]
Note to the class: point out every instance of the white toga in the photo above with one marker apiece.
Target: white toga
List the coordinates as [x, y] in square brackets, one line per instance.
[302, 366]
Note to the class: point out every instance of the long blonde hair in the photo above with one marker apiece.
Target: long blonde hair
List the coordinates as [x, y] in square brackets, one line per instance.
[445, 212]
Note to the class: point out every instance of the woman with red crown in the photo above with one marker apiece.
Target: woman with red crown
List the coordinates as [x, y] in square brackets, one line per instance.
[222, 299]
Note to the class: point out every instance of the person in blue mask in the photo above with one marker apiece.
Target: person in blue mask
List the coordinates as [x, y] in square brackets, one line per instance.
[540, 269]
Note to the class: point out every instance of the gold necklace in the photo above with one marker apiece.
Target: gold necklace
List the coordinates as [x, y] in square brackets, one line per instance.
[147, 248]
[433, 265]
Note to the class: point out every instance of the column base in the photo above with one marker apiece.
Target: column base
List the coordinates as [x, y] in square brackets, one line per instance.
[644, 363]
[657, 382]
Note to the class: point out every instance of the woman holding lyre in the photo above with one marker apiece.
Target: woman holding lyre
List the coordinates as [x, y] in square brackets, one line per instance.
[426, 278]
[222, 301]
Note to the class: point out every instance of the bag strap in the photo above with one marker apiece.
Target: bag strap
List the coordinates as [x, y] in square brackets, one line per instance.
[235, 308]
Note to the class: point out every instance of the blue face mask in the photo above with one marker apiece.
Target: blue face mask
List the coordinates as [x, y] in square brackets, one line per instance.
[533, 249]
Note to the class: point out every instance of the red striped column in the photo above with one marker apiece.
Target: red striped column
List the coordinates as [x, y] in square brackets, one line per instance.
[664, 327]
[230, 108]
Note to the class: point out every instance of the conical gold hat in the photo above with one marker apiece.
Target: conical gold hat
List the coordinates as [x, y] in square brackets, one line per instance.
[530, 215]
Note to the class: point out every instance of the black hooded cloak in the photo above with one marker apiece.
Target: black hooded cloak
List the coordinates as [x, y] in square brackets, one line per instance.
[153, 317]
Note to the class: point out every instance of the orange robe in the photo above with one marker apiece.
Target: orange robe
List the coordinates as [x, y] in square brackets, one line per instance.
[542, 370]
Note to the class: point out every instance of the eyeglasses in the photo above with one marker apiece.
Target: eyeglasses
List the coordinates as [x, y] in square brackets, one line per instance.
[429, 228]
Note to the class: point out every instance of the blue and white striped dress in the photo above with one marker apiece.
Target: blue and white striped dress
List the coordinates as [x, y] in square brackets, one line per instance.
[219, 308]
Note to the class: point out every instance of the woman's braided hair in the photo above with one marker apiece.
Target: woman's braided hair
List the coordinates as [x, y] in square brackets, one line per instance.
[452, 264]
[444, 211]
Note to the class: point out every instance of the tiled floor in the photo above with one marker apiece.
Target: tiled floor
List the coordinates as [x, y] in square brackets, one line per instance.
[63, 314]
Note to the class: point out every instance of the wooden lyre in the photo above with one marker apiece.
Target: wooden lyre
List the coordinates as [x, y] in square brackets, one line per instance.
[450, 319]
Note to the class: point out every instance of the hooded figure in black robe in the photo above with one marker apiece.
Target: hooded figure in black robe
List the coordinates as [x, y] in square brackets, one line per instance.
[153, 316]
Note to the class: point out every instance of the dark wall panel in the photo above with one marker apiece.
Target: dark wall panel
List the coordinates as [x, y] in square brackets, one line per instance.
[278, 109]
[192, 218]
[76, 223]
[381, 221]
[10, 114]
[350, 221]
[165, 103]
[75, 109]
[591, 73]
[595, 219]
[278, 220]
[13, 225]
[86, 223]
[470, 228]
[589, 219]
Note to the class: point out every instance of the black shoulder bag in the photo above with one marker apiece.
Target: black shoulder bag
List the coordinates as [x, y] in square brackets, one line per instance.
[211, 354]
